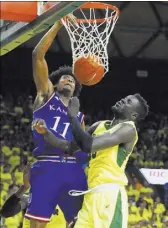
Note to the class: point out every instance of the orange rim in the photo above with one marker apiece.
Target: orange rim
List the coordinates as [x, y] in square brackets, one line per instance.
[96, 5]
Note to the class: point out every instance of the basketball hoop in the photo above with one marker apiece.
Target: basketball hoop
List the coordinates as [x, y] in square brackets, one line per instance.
[90, 36]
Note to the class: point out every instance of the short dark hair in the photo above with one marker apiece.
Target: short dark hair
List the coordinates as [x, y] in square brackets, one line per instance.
[65, 70]
[144, 106]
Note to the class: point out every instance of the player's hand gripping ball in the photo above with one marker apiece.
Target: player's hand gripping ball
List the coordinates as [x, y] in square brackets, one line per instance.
[73, 107]
[40, 126]
[70, 17]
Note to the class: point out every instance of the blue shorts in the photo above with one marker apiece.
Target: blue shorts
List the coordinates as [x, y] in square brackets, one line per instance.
[51, 180]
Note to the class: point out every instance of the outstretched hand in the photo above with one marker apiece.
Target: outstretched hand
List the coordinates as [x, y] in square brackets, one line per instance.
[73, 107]
[40, 126]
[70, 17]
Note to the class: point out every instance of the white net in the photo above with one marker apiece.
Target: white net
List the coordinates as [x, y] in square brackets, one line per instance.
[91, 37]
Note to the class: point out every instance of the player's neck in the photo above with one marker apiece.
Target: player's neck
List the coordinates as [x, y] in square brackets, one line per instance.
[117, 121]
[64, 99]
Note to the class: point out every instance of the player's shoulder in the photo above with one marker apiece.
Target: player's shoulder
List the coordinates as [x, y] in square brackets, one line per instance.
[129, 124]
[126, 125]
[130, 128]
[41, 101]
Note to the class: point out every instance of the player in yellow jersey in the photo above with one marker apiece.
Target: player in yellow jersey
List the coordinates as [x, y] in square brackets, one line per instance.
[110, 144]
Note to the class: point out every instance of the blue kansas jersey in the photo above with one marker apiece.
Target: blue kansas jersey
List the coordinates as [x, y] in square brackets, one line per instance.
[54, 112]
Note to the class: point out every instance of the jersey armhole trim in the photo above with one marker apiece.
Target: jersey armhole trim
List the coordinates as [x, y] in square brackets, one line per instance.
[45, 103]
[82, 119]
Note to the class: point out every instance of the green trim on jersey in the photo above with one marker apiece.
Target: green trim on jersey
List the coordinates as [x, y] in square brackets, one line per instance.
[121, 155]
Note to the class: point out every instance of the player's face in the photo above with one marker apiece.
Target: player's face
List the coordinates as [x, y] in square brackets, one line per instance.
[126, 108]
[66, 84]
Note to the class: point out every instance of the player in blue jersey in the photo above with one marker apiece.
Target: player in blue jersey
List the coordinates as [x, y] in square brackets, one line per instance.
[54, 174]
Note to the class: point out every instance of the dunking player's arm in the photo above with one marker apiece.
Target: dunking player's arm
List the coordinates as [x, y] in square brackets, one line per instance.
[44, 86]
[124, 135]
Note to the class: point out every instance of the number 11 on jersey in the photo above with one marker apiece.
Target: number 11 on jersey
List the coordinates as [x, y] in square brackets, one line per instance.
[55, 127]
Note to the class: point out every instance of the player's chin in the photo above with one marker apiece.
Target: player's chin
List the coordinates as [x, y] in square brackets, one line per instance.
[114, 108]
[68, 90]
[68, 87]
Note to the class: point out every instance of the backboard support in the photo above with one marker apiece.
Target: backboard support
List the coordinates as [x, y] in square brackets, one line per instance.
[20, 32]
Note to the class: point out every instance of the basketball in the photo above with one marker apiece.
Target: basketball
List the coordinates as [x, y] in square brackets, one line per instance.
[88, 70]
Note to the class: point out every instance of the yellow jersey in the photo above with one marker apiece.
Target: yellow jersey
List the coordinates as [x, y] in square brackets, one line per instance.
[108, 165]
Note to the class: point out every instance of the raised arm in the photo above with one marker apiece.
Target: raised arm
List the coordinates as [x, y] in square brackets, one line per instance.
[87, 143]
[124, 134]
[40, 69]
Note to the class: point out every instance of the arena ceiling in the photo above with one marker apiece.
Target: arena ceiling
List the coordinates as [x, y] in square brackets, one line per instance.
[141, 31]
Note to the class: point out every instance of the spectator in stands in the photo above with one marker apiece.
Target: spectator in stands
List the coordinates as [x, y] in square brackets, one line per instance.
[159, 207]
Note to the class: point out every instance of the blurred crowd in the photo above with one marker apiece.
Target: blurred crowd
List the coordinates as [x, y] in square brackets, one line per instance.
[145, 207]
